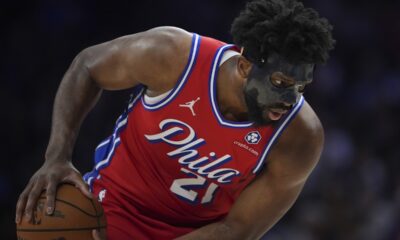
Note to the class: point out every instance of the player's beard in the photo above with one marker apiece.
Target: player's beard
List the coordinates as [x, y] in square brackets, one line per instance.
[256, 113]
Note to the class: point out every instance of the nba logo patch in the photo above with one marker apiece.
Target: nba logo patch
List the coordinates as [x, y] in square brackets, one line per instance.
[253, 137]
[102, 195]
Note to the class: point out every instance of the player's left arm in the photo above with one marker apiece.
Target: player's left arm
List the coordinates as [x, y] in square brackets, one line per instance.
[277, 187]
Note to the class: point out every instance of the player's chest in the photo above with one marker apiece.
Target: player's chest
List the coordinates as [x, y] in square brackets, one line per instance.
[200, 145]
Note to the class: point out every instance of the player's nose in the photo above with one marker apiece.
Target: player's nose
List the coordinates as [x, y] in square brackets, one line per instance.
[290, 99]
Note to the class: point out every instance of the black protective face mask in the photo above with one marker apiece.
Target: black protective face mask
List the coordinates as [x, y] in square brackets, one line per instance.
[261, 94]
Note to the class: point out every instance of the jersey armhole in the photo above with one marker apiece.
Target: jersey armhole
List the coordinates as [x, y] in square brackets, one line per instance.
[194, 49]
[277, 133]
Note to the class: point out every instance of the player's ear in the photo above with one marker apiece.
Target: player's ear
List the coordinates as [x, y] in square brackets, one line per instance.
[244, 67]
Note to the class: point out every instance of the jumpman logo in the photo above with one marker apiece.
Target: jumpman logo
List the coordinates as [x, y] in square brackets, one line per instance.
[190, 105]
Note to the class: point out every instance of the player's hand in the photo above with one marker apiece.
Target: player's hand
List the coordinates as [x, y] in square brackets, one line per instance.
[46, 179]
[99, 234]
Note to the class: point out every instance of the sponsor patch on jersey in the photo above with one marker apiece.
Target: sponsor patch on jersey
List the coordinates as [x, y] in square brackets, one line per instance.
[253, 137]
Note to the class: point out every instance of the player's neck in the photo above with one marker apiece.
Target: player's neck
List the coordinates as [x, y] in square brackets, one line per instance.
[230, 95]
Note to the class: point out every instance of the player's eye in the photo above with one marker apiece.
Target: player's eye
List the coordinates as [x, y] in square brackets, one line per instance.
[280, 81]
[277, 82]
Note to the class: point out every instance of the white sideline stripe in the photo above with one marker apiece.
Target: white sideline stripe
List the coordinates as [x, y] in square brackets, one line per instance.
[101, 163]
[89, 181]
[107, 141]
[121, 124]
[103, 143]
[135, 99]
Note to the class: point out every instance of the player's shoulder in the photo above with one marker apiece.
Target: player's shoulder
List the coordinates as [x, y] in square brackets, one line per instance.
[168, 33]
[167, 38]
[307, 120]
[166, 50]
[160, 45]
[306, 124]
[298, 149]
[305, 134]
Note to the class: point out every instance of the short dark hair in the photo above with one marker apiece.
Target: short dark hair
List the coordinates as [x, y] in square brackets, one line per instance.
[284, 27]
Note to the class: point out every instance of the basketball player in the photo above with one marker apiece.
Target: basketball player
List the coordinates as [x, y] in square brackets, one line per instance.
[217, 140]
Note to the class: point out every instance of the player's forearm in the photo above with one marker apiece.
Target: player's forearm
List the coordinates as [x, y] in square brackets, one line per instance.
[215, 231]
[75, 97]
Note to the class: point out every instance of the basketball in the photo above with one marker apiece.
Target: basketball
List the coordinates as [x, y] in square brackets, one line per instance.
[74, 217]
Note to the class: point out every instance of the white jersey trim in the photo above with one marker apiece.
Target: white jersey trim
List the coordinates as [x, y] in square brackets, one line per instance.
[157, 99]
[277, 133]
[213, 91]
[174, 92]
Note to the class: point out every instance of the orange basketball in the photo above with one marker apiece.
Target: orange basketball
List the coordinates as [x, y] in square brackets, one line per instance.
[74, 217]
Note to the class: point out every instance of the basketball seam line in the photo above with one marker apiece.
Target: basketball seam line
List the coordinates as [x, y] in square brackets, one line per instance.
[80, 209]
[95, 210]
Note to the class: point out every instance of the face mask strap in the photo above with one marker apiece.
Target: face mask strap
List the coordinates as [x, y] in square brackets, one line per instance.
[260, 62]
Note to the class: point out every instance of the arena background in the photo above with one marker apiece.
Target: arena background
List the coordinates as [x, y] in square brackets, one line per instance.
[354, 193]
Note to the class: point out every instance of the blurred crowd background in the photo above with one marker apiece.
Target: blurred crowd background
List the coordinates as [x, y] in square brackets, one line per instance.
[353, 194]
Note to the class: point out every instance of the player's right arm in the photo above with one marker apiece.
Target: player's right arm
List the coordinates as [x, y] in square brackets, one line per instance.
[154, 58]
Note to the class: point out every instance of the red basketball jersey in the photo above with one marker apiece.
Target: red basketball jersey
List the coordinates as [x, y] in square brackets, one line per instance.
[177, 165]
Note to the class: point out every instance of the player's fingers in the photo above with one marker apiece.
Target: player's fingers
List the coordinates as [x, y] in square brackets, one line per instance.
[20, 207]
[32, 199]
[51, 190]
[22, 203]
[77, 180]
[97, 235]
[84, 189]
